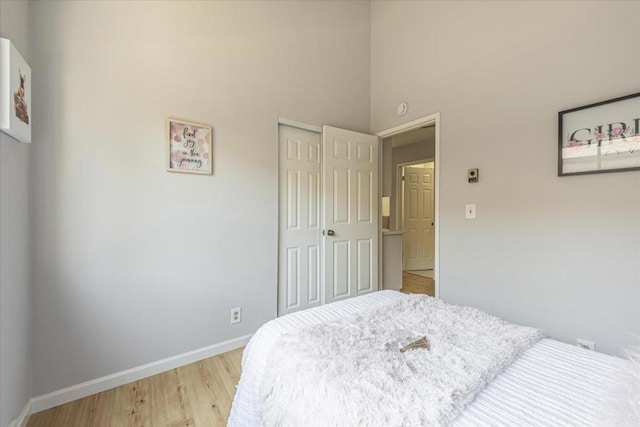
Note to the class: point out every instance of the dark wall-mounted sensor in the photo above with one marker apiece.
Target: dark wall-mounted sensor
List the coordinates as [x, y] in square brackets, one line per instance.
[472, 175]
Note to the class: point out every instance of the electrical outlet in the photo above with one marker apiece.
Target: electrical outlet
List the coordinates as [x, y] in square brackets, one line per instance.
[236, 315]
[587, 345]
[470, 211]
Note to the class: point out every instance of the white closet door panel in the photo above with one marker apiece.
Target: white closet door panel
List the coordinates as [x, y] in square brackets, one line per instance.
[341, 268]
[293, 278]
[313, 201]
[350, 163]
[364, 198]
[293, 199]
[313, 274]
[299, 254]
[364, 265]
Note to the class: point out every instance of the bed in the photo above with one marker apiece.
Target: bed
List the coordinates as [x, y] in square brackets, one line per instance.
[548, 383]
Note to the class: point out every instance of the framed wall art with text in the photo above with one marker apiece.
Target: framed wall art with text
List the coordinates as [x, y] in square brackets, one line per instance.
[189, 147]
[600, 137]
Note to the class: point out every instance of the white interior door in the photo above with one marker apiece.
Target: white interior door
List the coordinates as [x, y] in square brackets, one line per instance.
[350, 213]
[418, 218]
[299, 252]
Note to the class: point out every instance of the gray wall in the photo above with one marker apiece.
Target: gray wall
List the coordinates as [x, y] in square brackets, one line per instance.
[558, 253]
[15, 282]
[135, 264]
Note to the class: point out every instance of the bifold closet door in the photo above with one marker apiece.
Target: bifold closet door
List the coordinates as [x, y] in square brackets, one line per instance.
[328, 220]
[350, 213]
[299, 252]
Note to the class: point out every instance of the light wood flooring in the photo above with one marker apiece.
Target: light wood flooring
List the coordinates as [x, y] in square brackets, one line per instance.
[415, 284]
[195, 395]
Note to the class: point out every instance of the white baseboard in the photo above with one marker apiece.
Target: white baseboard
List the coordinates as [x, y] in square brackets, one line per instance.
[22, 419]
[69, 394]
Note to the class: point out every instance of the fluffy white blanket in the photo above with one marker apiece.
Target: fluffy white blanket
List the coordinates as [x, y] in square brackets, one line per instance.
[351, 372]
[622, 409]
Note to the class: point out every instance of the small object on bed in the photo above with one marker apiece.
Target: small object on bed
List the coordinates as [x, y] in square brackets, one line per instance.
[421, 343]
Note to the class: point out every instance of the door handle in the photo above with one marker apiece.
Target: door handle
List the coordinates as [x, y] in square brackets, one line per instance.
[329, 233]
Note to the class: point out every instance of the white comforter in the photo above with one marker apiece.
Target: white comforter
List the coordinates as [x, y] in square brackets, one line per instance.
[551, 384]
[354, 366]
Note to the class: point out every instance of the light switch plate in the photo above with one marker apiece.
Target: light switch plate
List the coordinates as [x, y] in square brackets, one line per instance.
[470, 211]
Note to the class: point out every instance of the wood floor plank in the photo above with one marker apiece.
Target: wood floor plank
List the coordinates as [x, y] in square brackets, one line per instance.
[41, 419]
[201, 394]
[62, 415]
[103, 409]
[416, 284]
[167, 406]
[86, 408]
[195, 395]
[198, 393]
[136, 402]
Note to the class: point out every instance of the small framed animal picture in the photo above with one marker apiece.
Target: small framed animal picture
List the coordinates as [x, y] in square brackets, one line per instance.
[15, 93]
[189, 147]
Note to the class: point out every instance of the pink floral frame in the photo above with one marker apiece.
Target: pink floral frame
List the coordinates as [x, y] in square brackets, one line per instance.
[189, 147]
[600, 137]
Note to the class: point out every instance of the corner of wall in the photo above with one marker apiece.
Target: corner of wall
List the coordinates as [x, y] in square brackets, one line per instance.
[15, 253]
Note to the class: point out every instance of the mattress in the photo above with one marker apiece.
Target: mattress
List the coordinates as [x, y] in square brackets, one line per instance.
[551, 384]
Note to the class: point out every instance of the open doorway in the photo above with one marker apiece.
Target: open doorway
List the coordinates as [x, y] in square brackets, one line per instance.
[409, 165]
[416, 213]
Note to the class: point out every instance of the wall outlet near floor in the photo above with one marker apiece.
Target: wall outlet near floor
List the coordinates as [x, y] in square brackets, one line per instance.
[587, 345]
[236, 315]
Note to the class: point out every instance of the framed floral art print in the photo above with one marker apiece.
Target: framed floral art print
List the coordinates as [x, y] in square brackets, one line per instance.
[189, 147]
